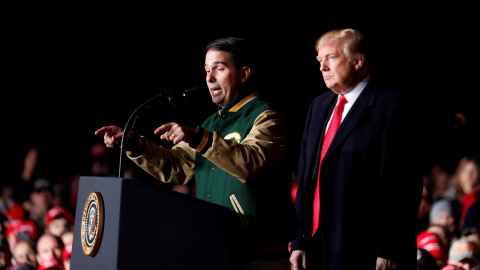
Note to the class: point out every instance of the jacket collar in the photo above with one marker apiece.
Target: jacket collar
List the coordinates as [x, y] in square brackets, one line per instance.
[237, 103]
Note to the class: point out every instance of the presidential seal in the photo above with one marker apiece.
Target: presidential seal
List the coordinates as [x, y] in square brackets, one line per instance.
[92, 223]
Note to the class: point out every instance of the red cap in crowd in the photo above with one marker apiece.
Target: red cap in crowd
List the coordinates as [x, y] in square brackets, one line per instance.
[431, 242]
[55, 212]
[17, 226]
[17, 211]
[51, 264]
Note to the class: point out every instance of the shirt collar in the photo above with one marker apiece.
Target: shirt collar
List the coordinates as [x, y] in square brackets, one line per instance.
[353, 95]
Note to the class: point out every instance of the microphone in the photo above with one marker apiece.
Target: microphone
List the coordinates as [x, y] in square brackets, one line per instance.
[174, 99]
[165, 97]
[193, 95]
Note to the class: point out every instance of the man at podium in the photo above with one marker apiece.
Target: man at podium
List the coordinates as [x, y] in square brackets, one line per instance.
[238, 157]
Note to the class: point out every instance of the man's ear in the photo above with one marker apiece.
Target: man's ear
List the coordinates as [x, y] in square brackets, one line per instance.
[359, 61]
[245, 73]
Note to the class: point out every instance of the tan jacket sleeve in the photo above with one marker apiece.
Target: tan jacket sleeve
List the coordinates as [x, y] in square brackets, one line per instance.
[176, 165]
[265, 145]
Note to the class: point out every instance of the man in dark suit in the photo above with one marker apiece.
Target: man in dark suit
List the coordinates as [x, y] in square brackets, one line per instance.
[369, 189]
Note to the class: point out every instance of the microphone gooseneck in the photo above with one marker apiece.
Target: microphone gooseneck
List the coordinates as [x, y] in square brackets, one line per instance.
[165, 97]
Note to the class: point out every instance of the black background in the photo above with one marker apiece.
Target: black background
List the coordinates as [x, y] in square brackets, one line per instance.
[72, 69]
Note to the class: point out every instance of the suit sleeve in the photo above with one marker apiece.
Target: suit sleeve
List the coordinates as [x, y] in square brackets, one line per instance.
[302, 177]
[400, 186]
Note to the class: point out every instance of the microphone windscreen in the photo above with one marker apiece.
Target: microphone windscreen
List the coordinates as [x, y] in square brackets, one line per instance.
[194, 95]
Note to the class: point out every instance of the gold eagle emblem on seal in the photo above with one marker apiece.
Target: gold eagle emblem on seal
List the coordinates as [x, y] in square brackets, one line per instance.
[92, 223]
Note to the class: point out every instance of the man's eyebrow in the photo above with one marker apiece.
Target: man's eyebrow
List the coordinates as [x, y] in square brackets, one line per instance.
[218, 63]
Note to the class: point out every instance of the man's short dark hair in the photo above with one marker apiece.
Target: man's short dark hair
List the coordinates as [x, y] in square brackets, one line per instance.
[239, 49]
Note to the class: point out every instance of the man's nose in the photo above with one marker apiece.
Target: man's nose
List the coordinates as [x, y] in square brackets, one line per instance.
[210, 77]
[323, 67]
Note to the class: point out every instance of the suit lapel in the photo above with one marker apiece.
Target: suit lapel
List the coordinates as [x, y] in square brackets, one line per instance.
[325, 109]
[355, 116]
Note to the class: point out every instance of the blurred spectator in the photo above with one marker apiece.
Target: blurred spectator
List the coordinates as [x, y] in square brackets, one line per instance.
[41, 199]
[467, 175]
[58, 220]
[100, 161]
[15, 198]
[435, 240]
[463, 253]
[67, 236]
[424, 210]
[16, 211]
[468, 200]
[21, 230]
[445, 213]
[441, 183]
[23, 186]
[49, 251]
[73, 189]
[5, 253]
[24, 253]
[98, 164]
[472, 216]
[60, 192]
[3, 223]
[472, 234]
[467, 182]
[16, 191]
[425, 260]
[6, 197]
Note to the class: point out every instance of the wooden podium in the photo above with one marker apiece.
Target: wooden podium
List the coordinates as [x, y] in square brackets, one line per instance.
[122, 223]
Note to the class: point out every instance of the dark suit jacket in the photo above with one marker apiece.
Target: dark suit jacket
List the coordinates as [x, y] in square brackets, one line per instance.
[370, 186]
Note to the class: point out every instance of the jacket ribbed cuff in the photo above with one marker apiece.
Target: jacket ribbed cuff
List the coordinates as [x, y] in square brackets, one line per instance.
[202, 141]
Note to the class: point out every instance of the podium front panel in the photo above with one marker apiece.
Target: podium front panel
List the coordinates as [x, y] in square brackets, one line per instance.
[148, 227]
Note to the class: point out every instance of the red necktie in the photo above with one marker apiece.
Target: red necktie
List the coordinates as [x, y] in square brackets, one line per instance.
[332, 128]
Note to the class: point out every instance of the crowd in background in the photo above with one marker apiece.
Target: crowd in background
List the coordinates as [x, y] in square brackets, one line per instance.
[449, 217]
[37, 206]
[37, 213]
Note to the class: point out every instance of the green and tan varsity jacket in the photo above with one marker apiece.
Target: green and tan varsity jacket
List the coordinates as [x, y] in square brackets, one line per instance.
[239, 160]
